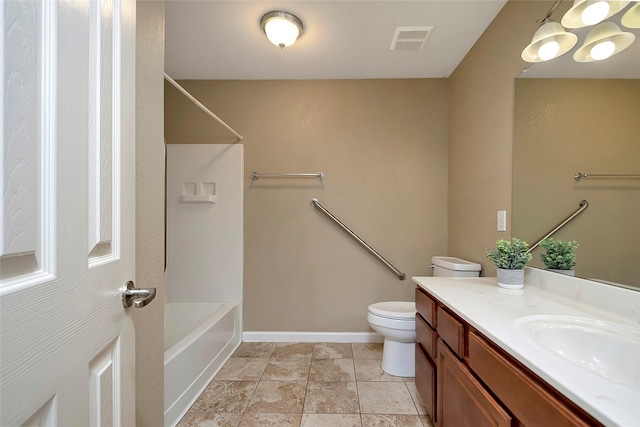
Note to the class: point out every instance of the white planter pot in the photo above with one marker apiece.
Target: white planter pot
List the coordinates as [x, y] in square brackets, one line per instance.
[511, 279]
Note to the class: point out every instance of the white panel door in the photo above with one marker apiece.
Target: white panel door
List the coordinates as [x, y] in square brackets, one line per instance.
[67, 205]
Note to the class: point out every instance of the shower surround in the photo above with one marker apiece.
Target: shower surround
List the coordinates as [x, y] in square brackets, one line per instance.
[203, 307]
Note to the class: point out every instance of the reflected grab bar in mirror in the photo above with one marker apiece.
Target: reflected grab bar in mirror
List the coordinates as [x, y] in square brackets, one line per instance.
[580, 176]
[398, 273]
[583, 205]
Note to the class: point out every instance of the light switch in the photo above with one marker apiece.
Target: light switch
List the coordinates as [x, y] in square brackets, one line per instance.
[502, 220]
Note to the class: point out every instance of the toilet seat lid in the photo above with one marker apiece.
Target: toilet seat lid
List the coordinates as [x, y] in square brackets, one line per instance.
[402, 310]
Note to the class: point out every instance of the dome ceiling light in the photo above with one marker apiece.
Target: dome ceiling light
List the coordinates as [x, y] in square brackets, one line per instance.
[281, 28]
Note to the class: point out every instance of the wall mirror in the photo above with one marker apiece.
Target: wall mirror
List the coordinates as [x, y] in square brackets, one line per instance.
[574, 117]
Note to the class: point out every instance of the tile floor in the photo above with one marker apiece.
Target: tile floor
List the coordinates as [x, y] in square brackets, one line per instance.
[307, 385]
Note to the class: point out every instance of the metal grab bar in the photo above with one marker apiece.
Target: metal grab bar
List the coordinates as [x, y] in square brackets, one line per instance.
[318, 175]
[583, 205]
[580, 176]
[398, 273]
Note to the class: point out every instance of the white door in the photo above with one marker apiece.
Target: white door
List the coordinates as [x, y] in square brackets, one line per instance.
[67, 77]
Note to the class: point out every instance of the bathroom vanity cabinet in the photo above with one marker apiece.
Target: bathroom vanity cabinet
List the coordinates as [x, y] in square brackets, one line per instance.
[465, 379]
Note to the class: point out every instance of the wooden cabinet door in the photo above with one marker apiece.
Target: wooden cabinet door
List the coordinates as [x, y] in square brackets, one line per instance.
[462, 400]
[525, 397]
[426, 381]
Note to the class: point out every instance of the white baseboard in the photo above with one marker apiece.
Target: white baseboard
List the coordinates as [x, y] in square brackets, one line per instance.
[270, 336]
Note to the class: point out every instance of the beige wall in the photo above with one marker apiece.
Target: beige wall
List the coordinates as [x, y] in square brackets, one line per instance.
[564, 126]
[383, 147]
[480, 131]
[150, 212]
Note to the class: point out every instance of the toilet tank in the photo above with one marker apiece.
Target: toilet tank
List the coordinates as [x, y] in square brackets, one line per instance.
[444, 266]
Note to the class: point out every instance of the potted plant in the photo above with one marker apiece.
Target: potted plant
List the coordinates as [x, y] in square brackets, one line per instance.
[510, 258]
[559, 255]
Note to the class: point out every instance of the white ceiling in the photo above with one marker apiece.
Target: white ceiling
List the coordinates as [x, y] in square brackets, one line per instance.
[342, 39]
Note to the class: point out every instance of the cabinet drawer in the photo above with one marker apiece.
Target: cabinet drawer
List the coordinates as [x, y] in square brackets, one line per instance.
[426, 306]
[451, 331]
[529, 401]
[426, 337]
[426, 381]
[462, 399]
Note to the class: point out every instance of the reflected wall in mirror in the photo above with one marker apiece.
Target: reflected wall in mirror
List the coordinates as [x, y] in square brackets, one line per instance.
[565, 126]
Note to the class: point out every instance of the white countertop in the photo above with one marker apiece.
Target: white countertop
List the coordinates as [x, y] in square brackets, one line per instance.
[493, 311]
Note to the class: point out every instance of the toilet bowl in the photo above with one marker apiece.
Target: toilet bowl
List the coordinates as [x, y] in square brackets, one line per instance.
[396, 322]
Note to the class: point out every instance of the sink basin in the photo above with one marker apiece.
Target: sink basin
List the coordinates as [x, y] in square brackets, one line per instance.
[603, 348]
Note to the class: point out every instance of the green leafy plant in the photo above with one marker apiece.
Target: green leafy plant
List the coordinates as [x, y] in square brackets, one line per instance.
[559, 254]
[510, 255]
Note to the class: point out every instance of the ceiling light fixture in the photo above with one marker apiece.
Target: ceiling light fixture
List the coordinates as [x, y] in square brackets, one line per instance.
[281, 28]
[603, 41]
[631, 19]
[549, 41]
[590, 12]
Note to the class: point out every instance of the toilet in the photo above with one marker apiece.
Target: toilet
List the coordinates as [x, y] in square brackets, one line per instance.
[446, 266]
[396, 320]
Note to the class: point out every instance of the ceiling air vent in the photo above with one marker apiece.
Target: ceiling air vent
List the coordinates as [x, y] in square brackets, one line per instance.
[410, 38]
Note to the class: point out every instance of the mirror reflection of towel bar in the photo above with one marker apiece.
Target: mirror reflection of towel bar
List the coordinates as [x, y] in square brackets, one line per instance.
[318, 175]
[580, 176]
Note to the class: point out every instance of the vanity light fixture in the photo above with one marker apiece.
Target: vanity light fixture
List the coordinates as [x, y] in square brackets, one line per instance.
[631, 19]
[603, 41]
[549, 41]
[281, 28]
[590, 12]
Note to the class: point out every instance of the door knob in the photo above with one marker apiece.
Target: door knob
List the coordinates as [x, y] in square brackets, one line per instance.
[139, 297]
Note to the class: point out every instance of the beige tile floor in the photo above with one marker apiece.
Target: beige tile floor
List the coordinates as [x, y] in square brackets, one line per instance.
[307, 385]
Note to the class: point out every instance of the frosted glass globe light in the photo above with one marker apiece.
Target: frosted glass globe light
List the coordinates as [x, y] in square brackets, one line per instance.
[603, 50]
[631, 18]
[602, 41]
[549, 41]
[595, 12]
[585, 13]
[281, 33]
[281, 28]
[548, 50]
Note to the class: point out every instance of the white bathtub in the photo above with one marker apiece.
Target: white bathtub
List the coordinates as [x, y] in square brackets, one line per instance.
[199, 338]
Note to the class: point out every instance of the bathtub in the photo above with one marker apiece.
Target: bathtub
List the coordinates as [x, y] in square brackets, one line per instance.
[199, 338]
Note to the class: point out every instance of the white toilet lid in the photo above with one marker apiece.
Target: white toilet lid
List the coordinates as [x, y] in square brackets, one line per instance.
[394, 309]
